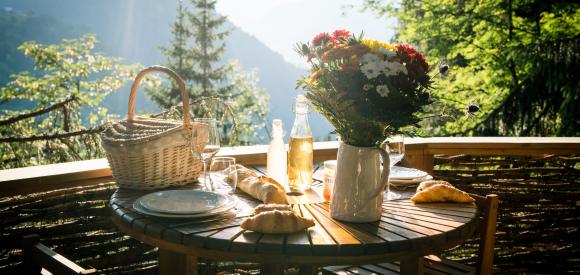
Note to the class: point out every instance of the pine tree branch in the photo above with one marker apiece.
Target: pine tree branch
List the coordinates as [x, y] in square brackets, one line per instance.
[16, 118]
[93, 130]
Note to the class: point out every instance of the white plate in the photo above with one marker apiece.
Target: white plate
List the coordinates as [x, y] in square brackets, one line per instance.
[396, 182]
[137, 206]
[183, 201]
[404, 173]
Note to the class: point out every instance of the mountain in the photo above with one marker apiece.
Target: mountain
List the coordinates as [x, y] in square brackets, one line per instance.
[134, 30]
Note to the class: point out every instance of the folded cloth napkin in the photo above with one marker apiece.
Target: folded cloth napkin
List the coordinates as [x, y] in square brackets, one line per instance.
[260, 187]
[275, 219]
[440, 191]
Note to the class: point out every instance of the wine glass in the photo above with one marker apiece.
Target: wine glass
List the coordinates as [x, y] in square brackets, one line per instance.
[211, 142]
[396, 148]
[223, 172]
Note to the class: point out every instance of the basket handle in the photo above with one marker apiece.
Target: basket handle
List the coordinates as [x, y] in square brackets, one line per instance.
[174, 75]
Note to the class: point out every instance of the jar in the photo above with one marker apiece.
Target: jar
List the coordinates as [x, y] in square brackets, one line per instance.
[328, 181]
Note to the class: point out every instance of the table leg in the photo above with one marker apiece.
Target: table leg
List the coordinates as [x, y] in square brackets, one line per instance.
[176, 263]
[274, 269]
[412, 266]
[308, 270]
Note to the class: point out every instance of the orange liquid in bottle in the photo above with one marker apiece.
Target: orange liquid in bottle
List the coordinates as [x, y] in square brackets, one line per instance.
[300, 162]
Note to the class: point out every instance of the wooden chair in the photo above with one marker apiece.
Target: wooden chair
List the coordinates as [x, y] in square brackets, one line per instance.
[39, 259]
[438, 265]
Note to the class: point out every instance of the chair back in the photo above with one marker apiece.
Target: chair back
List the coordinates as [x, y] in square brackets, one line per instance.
[38, 257]
[487, 227]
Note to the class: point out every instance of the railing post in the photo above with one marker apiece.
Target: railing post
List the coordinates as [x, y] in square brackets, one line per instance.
[420, 158]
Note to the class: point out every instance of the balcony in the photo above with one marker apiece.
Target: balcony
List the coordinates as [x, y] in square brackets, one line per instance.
[537, 180]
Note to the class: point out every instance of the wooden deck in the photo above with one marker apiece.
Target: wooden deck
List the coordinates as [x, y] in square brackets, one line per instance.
[537, 179]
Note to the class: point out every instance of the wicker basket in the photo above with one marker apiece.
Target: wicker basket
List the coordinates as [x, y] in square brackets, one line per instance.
[148, 153]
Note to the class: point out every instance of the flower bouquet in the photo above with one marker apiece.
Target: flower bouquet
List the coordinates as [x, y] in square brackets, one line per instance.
[367, 89]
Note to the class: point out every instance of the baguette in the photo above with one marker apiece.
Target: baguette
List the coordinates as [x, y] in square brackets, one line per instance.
[258, 188]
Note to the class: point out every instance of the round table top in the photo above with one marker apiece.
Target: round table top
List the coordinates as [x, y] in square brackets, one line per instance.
[405, 229]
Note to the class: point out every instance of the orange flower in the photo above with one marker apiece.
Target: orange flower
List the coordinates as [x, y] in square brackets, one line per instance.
[314, 76]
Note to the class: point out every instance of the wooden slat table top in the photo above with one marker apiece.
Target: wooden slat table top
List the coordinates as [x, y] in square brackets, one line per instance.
[404, 229]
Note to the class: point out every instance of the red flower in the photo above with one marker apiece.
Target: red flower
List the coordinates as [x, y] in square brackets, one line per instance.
[412, 57]
[321, 38]
[341, 35]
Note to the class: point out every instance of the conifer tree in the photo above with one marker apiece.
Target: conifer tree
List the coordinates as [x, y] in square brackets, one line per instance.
[209, 48]
[178, 59]
[196, 54]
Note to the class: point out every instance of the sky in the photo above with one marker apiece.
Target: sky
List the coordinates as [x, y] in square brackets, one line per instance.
[280, 24]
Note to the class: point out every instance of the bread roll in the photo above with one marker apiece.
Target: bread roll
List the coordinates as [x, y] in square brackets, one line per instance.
[253, 185]
[272, 181]
[269, 207]
[244, 172]
[428, 183]
[442, 193]
[266, 192]
[276, 222]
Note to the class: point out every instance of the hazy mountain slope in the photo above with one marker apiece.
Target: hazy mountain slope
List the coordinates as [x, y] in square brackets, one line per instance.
[134, 30]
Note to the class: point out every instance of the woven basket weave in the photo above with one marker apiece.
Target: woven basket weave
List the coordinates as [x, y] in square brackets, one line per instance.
[149, 153]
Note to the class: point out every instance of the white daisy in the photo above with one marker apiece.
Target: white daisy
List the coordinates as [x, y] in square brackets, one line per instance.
[383, 90]
[367, 87]
[370, 70]
[369, 58]
[393, 68]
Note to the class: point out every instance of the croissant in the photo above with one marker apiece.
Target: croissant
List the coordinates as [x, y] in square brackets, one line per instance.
[441, 193]
[266, 192]
[428, 183]
[269, 207]
[276, 222]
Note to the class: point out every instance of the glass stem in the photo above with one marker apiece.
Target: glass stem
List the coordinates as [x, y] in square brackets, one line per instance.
[205, 175]
[209, 180]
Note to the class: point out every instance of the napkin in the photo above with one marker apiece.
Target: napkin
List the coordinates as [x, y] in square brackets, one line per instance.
[440, 191]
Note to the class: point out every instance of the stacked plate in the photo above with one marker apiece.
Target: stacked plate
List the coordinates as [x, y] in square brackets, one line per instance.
[184, 204]
[401, 176]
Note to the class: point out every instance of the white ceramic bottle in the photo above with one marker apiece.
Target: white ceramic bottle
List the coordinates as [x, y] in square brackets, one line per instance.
[277, 155]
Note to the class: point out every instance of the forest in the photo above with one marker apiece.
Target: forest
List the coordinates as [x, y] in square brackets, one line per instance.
[513, 70]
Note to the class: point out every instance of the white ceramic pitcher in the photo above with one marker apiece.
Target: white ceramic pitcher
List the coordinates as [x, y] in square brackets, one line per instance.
[359, 184]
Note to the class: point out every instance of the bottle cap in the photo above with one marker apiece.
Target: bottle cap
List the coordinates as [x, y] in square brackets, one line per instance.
[277, 130]
[277, 123]
[330, 164]
[301, 105]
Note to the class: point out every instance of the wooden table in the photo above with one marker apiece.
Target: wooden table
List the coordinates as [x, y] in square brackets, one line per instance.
[406, 232]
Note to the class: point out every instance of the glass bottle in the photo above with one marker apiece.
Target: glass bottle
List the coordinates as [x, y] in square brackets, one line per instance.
[277, 155]
[300, 156]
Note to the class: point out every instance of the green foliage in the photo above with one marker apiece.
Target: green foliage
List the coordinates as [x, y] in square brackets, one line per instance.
[18, 27]
[519, 60]
[232, 94]
[367, 89]
[69, 72]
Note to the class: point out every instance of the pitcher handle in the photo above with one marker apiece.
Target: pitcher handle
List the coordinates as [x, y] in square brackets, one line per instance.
[384, 174]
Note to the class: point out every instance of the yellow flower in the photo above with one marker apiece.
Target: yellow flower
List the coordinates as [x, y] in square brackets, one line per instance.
[376, 45]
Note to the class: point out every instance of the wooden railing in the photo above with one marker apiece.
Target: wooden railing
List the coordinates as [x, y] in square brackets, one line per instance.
[419, 154]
